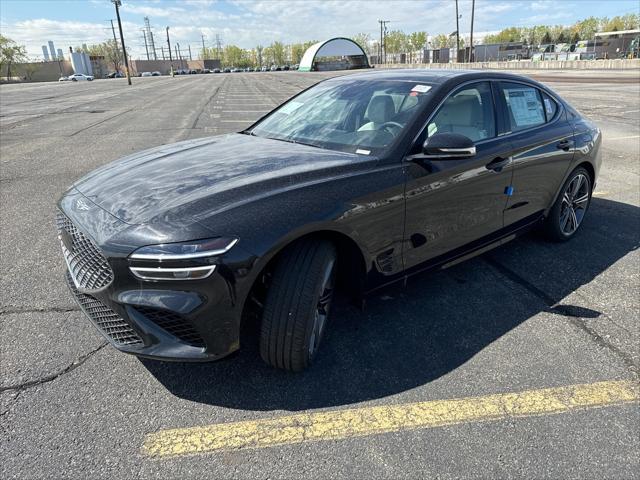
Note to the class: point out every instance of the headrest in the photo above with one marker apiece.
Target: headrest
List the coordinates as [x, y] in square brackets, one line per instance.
[381, 109]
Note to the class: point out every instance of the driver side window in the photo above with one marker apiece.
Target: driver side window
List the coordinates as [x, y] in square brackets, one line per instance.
[468, 112]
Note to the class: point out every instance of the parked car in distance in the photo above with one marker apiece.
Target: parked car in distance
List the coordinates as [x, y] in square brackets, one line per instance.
[76, 77]
[286, 67]
[115, 75]
[63, 79]
[146, 74]
[264, 68]
[227, 70]
[156, 74]
[216, 70]
[357, 182]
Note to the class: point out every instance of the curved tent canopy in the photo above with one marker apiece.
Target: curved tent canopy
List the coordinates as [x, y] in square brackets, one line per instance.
[344, 52]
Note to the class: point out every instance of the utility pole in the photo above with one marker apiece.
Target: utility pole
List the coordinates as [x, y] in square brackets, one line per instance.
[115, 41]
[169, 48]
[144, 34]
[190, 57]
[473, 8]
[218, 46]
[118, 3]
[383, 35]
[203, 47]
[457, 32]
[152, 44]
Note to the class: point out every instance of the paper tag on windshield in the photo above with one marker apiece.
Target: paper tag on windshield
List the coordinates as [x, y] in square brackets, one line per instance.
[363, 152]
[290, 107]
[421, 88]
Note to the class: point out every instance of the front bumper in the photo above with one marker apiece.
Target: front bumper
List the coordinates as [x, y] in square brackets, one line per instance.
[194, 320]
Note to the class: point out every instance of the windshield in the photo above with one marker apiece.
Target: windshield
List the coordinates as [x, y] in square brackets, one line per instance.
[356, 116]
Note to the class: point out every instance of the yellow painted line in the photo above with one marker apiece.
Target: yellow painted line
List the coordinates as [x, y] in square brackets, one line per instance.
[340, 424]
[600, 194]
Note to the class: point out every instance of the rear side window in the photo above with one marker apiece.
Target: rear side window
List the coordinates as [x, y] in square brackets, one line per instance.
[524, 105]
[550, 106]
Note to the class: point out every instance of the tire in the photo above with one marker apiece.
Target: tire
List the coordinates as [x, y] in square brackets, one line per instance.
[568, 212]
[298, 304]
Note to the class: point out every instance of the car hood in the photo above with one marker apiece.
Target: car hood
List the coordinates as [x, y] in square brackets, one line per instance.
[186, 179]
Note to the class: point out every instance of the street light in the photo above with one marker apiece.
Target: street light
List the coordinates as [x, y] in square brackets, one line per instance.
[118, 4]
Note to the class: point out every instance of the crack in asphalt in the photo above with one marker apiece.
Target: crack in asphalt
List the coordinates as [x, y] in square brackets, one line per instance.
[50, 378]
[627, 359]
[11, 310]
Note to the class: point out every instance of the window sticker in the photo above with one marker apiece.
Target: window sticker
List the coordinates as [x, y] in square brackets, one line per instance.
[421, 88]
[363, 152]
[548, 106]
[290, 107]
[525, 107]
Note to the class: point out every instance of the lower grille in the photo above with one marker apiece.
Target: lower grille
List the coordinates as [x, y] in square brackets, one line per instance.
[112, 324]
[174, 324]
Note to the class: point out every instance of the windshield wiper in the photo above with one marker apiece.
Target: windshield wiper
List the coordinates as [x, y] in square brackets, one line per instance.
[289, 140]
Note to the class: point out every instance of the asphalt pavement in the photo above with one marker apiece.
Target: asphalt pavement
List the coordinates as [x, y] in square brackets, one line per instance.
[520, 363]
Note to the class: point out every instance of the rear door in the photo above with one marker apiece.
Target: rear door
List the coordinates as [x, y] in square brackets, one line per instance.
[543, 148]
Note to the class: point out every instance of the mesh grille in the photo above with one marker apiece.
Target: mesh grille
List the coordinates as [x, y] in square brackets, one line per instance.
[174, 324]
[106, 319]
[87, 266]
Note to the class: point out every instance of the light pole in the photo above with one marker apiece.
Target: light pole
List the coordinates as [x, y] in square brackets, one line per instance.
[473, 8]
[118, 3]
[457, 32]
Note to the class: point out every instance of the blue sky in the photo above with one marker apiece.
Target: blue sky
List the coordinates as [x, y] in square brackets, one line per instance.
[248, 23]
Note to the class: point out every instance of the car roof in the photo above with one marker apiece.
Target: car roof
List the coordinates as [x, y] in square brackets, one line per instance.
[429, 75]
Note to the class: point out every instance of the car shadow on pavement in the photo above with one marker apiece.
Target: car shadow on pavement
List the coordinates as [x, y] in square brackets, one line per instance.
[407, 337]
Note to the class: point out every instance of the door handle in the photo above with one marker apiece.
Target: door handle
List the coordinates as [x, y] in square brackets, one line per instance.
[564, 145]
[498, 163]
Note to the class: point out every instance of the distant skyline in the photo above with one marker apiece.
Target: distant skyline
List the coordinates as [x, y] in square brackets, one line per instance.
[249, 23]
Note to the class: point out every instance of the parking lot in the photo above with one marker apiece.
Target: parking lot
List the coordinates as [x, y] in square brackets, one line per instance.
[523, 362]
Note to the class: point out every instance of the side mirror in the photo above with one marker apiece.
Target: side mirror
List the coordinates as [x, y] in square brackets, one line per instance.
[448, 146]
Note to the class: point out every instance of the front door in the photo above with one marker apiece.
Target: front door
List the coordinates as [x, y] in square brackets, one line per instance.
[452, 203]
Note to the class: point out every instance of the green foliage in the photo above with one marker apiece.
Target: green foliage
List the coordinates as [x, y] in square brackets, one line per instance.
[582, 30]
[109, 50]
[11, 52]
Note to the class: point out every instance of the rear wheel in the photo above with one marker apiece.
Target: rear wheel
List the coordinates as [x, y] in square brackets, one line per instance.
[298, 304]
[567, 214]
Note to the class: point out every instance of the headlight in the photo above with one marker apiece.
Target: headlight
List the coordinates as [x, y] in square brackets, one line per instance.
[179, 261]
[185, 251]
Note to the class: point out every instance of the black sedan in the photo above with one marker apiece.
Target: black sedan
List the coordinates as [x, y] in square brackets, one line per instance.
[355, 183]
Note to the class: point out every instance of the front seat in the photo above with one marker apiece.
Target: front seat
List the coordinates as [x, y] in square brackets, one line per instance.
[381, 109]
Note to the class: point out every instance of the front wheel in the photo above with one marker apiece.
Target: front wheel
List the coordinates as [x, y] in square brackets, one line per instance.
[298, 304]
[567, 214]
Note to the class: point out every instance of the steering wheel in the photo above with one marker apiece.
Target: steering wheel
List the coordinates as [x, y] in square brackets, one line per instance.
[394, 125]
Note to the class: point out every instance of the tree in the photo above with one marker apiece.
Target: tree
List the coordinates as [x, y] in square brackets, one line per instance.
[547, 38]
[297, 51]
[440, 41]
[109, 50]
[364, 40]
[396, 41]
[278, 52]
[259, 49]
[417, 41]
[11, 52]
